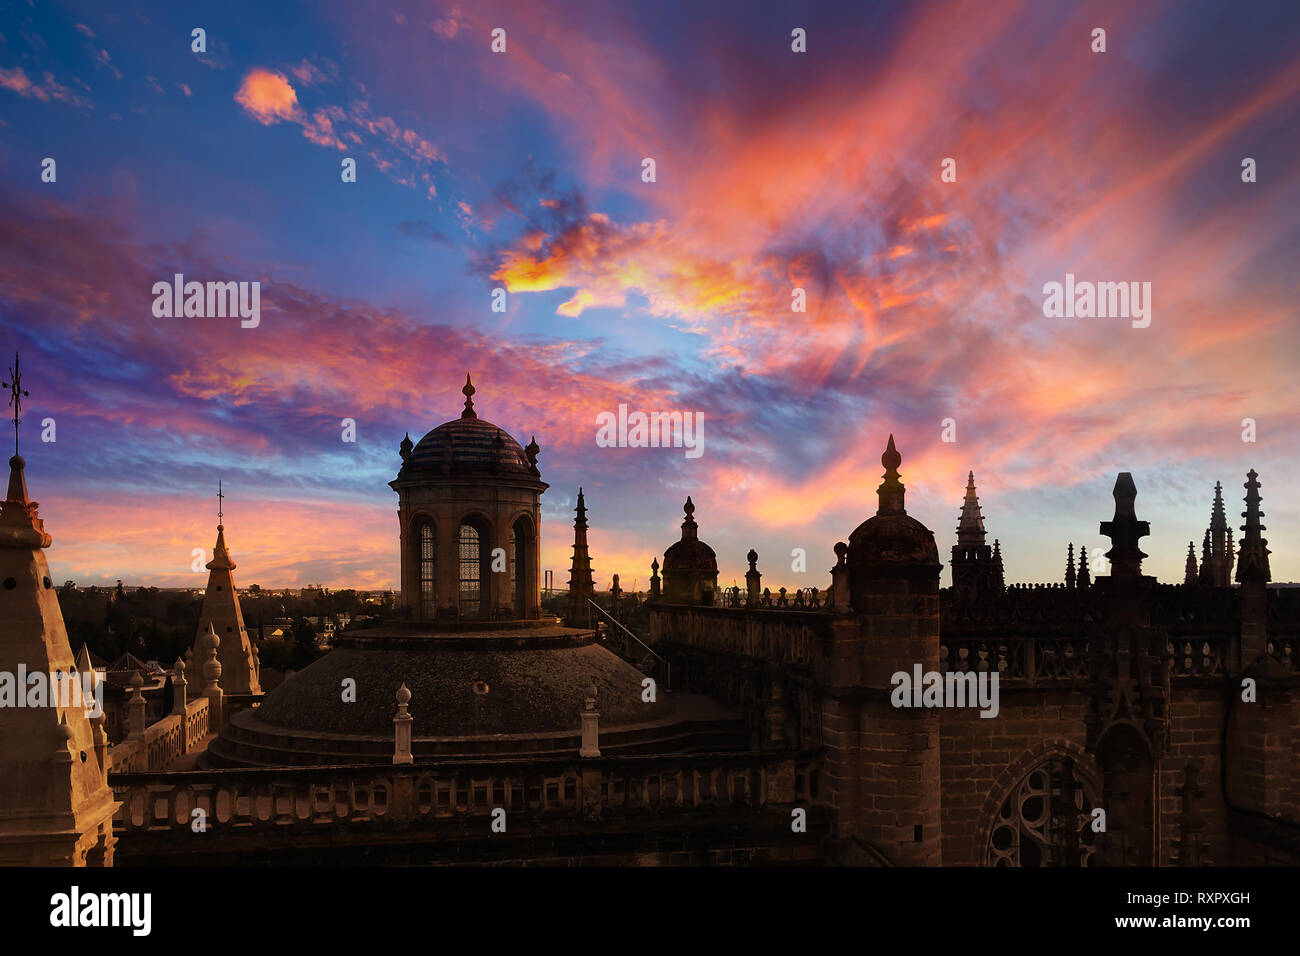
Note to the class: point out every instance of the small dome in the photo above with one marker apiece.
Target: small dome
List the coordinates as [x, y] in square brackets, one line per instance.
[693, 555]
[469, 446]
[690, 553]
[891, 543]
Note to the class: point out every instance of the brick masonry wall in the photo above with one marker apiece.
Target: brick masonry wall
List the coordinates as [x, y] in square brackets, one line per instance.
[983, 758]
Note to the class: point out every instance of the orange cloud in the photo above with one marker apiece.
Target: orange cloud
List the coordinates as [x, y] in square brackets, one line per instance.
[268, 96]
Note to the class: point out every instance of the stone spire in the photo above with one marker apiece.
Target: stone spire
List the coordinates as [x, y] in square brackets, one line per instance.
[1253, 575]
[56, 808]
[223, 616]
[970, 529]
[1253, 563]
[1085, 576]
[581, 586]
[999, 578]
[1206, 574]
[1069, 566]
[974, 575]
[1125, 531]
[891, 491]
[1220, 543]
[1190, 572]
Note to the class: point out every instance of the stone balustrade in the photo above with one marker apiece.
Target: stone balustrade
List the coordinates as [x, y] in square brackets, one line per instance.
[789, 637]
[162, 741]
[528, 790]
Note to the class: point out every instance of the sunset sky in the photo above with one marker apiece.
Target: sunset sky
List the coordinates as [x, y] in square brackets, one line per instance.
[523, 170]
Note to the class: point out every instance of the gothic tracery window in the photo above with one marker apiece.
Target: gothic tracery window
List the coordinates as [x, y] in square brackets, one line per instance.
[470, 553]
[428, 601]
[1046, 819]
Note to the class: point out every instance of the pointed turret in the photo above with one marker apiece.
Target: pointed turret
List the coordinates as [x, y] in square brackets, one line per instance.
[1085, 575]
[1205, 576]
[56, 807]
[974, 576]
[1253, 557]
[1190, 570]
[970, 528]
[1220, 542]
[581, 587]
[222, 615]
[1069, 566]
[1253, 574]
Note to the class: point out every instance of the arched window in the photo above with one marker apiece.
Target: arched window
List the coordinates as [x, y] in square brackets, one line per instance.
[470, 551]
[1046, 819]
[428, 600]
[513, 560]
[520, 540]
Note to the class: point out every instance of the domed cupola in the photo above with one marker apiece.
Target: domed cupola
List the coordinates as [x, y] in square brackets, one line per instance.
[690, 566]
[470, 512]
[468, 445]
[891, 544]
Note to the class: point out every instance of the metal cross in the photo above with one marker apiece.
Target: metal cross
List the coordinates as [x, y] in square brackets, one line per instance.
[16, 395]
[220, 496]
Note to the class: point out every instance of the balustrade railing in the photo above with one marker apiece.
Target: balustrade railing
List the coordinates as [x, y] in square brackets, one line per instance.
[312, 796]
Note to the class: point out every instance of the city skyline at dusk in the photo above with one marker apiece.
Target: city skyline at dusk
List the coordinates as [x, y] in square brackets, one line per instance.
[775, 171]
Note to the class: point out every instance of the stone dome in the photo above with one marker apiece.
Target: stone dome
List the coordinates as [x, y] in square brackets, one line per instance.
[690, 553]
[891, 543]
[469, 445]
[492, 691]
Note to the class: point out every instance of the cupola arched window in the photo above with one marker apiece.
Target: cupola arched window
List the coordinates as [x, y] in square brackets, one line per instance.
[428, 600]
[520, 542]
[472, 573]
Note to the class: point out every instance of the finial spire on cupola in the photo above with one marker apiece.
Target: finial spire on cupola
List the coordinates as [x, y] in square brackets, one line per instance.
[689, 527]
[1069, 566]
[468, 391]
[970, 527]
[1190, 569]
[890, 493]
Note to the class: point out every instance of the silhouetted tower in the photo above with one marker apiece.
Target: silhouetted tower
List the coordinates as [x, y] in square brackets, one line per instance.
[1084, 579]
[1221, 556]
[1129, 687]
[1069, 566]
[998, 580]
[1253, 574]
[690, 565]
[1205, 576]
[882, 761]
[581, 587]
[973, 569]
[1190, 574]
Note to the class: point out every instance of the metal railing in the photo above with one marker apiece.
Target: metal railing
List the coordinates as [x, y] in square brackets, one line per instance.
[663, 663]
